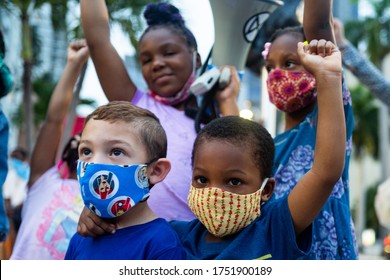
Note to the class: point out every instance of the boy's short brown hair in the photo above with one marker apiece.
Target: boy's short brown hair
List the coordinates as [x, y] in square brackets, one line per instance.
[151, 133]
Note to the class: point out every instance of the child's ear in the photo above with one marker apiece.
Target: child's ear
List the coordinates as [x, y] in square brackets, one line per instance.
[268, 190]
[198, 61]
[158, 170]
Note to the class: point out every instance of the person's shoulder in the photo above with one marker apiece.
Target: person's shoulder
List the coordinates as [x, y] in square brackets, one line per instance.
[161, 226]
[163, 241]
[186, 226]
[157, 230]
[76, 239]
[276, 207]
[74, 243]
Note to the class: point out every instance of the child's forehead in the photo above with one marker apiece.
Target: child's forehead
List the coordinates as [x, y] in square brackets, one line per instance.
[284, 45]
[222, 157]
[289, 38]
[162, 36]
[104, 129]
[221, 147]
[220, 142]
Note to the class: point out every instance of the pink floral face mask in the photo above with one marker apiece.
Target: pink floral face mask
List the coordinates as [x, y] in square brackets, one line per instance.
[291, 91]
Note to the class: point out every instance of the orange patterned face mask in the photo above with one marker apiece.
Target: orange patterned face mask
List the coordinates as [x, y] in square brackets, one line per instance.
[222, 212]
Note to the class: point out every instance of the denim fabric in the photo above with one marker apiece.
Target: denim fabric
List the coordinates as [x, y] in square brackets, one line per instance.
[4, 130]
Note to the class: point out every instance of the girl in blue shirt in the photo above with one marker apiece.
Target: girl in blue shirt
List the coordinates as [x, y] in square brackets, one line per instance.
[293, 90]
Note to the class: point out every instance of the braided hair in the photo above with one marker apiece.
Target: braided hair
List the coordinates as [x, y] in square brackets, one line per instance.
[164, 15]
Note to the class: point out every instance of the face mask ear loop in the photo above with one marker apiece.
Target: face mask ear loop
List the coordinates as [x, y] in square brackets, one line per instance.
[194, 53]
[264, 184]
[151, 161]
[147, 164]
[262, 188]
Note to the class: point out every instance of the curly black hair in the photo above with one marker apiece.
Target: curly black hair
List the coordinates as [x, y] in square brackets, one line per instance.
[242, 133]
[165, 15]
[298, 30]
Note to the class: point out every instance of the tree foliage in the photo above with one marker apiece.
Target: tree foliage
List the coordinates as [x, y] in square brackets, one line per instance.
[371, 33]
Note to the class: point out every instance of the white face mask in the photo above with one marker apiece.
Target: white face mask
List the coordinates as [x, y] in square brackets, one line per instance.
[222, 212]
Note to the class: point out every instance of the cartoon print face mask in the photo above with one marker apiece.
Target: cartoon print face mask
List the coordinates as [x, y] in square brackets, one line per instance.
[291, 91]
[111, 190]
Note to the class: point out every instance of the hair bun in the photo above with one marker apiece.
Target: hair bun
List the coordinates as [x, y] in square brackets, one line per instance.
[163, 13]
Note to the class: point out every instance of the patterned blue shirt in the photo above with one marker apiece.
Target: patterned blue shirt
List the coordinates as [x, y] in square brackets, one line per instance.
[333, 229]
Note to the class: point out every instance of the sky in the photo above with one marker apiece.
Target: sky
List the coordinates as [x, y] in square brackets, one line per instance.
[198, 17]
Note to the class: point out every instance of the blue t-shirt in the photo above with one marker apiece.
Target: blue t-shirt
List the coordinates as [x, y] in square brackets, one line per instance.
[333, 229]
[271, 236]
[154, 240]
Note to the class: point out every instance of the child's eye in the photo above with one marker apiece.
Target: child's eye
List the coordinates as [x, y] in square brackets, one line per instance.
[116, 152]
[290, 64]
[268, 68]
[234, 182]
[169, 53]
[85, 152]
[145, 60]
[201, 180]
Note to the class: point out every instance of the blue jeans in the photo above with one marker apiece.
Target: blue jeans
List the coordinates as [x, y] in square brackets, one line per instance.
[4, 130]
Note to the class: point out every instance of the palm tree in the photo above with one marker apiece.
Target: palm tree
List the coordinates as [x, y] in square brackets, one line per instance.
[24, 8]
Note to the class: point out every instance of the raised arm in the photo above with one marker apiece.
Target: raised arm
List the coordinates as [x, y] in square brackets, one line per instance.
[318, 20]
[312, 191]
[49, 137]
[113, 76]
